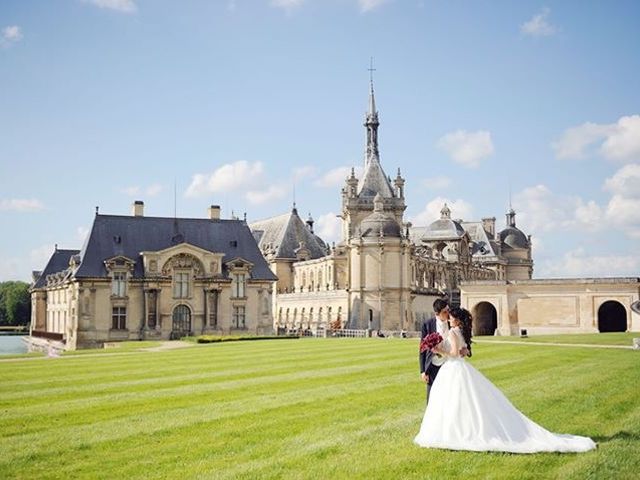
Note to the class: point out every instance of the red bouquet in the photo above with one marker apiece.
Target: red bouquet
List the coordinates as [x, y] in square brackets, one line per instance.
[430, 341]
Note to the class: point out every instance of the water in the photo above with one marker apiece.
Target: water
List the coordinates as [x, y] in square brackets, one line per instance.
[12, 344]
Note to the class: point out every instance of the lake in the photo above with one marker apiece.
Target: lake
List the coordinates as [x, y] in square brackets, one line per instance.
[12, 344]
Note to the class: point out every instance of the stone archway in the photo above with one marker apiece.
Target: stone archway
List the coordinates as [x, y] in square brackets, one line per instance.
[612, 317]
[485, 319]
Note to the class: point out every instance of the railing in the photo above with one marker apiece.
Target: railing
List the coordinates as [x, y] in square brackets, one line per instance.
[49, 335]
[348, 333]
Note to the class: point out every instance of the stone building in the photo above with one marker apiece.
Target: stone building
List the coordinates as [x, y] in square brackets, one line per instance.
[384, 273]
[551, 306]
[141, 277]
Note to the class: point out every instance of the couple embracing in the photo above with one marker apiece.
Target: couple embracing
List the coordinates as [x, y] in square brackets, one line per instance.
[465, 411]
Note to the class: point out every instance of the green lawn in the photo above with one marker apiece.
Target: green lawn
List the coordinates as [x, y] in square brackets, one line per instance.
[313, 408]
[615, 338]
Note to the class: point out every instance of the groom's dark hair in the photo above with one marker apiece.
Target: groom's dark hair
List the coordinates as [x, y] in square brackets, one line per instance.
[439, 305]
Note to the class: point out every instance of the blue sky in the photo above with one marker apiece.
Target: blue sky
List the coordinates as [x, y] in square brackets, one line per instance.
[103, 102]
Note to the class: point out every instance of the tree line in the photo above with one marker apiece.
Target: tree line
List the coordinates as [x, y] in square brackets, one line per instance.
[15, 303]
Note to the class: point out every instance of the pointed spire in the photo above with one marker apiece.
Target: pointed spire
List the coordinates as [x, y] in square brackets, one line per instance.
[374, 180]
[371, 123]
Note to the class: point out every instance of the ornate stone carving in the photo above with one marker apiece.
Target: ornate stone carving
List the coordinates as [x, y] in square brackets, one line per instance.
[183, 261]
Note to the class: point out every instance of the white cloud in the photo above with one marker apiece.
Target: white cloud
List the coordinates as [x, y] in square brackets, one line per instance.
[618, 141]
[467, 148]
[336, 177]
[575, 141]
[124, 6]
[329, 227]
[460, 209]
[10, 35]
[273, 192]
[624, 213]
[302, 172]
[540, 210]
[624, 141]
[577, 263]
[230, 177]
[539, 25]
[437, 183]
[21, 205]
[369, 5]
[287, 5]
[625, 181]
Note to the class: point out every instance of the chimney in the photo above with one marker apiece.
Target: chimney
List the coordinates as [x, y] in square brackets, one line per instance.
[137, 209]
[214, 212]
[489, 224]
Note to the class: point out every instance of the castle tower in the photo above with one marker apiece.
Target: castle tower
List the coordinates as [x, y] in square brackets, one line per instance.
[358, 195]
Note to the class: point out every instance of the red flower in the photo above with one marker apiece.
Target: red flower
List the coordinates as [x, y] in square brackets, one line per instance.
[430, 341]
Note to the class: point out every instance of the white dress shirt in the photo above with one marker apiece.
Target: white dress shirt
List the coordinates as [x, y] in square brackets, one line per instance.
[442, 327]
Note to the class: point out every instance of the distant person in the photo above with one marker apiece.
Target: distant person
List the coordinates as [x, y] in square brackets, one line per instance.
[467, 412]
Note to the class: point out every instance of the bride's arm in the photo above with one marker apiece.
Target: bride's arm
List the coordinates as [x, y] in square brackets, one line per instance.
[454, 346]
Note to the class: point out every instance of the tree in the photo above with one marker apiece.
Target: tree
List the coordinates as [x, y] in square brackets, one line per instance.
[15, 303]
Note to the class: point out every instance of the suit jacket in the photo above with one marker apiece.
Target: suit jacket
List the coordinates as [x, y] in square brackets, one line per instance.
[428, 326]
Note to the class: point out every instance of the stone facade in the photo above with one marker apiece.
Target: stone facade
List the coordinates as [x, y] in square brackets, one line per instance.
[384, 273]
[154, 278]
[551, 306]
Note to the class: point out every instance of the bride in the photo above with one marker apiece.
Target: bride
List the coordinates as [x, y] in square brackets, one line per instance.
[467, 412]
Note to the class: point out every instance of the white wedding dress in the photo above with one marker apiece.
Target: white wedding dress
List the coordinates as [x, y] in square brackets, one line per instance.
[467, 412]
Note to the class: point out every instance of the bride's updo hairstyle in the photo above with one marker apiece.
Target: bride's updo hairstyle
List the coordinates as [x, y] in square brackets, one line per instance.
[466, 320]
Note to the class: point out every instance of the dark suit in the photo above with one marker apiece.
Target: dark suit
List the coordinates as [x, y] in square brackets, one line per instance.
[428, 326]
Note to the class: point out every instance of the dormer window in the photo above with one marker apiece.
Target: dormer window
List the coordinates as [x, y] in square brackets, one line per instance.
[181, 284]
[119, 284]
[238, 285]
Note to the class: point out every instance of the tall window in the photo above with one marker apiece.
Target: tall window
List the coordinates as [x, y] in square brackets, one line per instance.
[119, 284]
[119, 318]
[181, 285]
[238, 317]
[238, 285]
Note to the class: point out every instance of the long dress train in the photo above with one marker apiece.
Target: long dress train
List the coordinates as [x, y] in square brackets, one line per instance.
[467, 412]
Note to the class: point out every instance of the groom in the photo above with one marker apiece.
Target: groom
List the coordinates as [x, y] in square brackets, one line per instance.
[430, 362]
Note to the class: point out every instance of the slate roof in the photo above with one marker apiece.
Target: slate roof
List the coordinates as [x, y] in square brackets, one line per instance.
[284, 234]
[375, 181]
[113, 235]
[443, 229]
[58, 262]
[483, 246]
[514, 238]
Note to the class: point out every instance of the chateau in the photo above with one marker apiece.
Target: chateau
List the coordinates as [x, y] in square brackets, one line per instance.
[384, 273]
[141, 277]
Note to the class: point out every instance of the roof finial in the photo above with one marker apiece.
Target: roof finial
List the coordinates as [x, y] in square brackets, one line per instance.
[371, 70]
[372, 99]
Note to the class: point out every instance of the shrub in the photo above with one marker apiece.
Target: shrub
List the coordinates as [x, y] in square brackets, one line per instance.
[218, 338]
